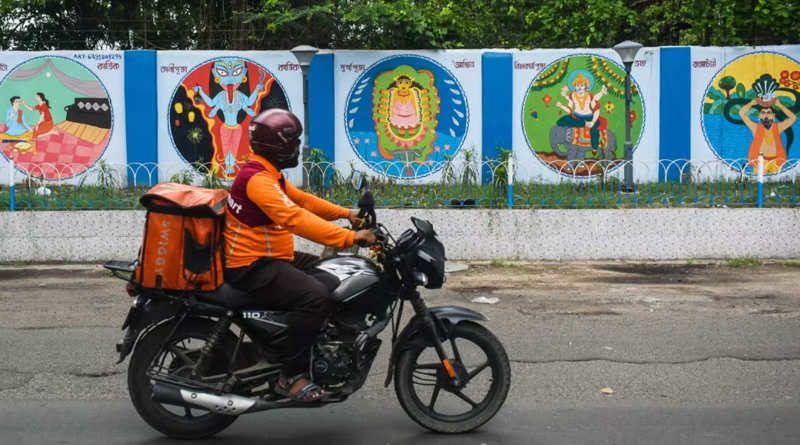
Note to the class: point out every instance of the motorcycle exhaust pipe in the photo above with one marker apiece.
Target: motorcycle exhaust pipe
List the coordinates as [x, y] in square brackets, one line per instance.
[227, 404]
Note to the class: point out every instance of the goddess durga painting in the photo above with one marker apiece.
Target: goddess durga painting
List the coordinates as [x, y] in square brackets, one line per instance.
[408, 107]
[405, 116]
[405, 108]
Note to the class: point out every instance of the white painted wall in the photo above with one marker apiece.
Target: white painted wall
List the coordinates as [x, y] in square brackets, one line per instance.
[658, 234]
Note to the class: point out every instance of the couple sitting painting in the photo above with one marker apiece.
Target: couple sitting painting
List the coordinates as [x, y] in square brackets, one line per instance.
[583, 108]
[18, 128]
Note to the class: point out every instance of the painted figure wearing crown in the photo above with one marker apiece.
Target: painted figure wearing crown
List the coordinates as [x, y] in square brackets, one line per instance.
[405, 106]
[230, 74]
[583, 107]
[405, 110]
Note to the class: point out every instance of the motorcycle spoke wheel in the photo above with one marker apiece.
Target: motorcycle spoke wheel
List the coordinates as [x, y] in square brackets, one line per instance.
[452, 398]
[427, 394]
[474, 373]
[177, 359]
[181, 355]
[435, 395]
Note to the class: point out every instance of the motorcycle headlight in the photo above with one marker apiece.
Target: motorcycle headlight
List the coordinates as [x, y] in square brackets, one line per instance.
[425, 254]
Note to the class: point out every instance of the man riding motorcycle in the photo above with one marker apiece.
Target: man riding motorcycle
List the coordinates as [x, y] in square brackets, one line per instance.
[264, 211]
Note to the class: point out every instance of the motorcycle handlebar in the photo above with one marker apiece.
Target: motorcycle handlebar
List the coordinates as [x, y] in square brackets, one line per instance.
[379, 236]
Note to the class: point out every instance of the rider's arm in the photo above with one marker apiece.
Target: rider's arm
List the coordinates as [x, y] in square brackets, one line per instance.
[265, 192]
[318, 206]
[743, 116]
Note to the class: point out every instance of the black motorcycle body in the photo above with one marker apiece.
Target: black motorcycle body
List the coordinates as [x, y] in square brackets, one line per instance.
[365, 293]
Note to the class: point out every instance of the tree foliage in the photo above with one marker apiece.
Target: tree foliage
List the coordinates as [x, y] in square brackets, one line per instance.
[390, 24]
[727, 83]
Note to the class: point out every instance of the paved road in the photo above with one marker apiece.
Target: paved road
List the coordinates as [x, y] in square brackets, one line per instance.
[374, 423]
[709, 365]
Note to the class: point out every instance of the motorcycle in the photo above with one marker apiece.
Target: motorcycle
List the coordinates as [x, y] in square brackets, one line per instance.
[210, 385]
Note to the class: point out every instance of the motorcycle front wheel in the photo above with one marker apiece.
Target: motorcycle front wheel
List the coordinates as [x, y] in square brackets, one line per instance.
[494, 371]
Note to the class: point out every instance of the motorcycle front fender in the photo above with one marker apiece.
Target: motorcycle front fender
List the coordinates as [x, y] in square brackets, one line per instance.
[445, 318]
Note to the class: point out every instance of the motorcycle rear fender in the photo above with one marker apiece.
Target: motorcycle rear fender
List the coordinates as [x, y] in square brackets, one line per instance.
[445, 318]
[149, 311]
[144, 313]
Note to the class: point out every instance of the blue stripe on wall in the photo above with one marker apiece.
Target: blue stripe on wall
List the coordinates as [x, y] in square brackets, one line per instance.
[498, 109]
[676, 111]
[141, 115]
[321, 110]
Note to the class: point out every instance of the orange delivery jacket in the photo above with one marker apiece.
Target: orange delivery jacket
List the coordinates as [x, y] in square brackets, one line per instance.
[264, 211]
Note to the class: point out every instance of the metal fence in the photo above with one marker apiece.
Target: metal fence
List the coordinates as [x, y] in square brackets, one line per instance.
[451, 184]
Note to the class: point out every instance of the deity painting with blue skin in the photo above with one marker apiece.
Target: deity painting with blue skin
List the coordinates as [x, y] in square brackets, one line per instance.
[230, 74]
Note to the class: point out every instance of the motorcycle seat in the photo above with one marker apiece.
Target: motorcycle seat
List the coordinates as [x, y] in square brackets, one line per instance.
[233, 298]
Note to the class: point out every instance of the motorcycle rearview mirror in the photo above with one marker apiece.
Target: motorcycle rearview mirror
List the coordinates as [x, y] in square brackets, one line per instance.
[359, 182]
[366, 200]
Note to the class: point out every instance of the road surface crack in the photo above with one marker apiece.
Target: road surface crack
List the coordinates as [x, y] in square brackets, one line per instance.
[99, 374]
[14, 379]
[48, 328]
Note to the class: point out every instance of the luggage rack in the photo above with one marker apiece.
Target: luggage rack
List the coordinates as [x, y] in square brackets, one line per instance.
[121, 267]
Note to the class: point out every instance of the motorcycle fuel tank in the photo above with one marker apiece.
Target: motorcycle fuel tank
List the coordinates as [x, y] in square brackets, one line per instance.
[361, 285]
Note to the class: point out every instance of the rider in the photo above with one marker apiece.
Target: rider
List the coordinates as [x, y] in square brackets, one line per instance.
[263, 214]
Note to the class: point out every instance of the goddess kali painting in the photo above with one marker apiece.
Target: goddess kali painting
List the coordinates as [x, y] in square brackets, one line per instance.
[212, 108]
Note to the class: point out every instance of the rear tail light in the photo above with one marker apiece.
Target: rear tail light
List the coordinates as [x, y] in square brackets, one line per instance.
[131, 291]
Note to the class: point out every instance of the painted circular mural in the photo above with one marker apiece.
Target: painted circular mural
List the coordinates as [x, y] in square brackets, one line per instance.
[749, 107]
[574, 114]
[405, 116]
[211, 109]
[57, 117]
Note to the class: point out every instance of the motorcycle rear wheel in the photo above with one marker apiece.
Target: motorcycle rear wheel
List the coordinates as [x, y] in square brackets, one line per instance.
[140, 387]
[425, 414]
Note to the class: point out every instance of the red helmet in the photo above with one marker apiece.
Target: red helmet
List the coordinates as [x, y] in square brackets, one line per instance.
[275, 133]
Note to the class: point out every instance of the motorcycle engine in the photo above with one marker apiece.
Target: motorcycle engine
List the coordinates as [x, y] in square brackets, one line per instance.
[331, 365]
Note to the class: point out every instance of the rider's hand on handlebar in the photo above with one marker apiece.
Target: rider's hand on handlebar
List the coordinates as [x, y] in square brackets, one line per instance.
[353, 218]
[364, 238]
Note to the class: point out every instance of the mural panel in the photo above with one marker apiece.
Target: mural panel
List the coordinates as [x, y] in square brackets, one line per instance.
[211, 101]
[572, 111]
[403, 115]
[60, 110]
[750, 105]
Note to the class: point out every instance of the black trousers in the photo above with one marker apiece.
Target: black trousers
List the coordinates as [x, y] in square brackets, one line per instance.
[285, 286]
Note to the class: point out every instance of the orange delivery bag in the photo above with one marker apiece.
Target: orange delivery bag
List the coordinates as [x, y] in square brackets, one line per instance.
[182, 243]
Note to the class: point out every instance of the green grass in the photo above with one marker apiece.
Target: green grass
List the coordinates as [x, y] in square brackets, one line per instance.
[789, 263]
[744, 262]
[500, 263]
[69, 197]
[392, 194]
[690, 262]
